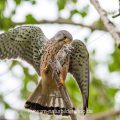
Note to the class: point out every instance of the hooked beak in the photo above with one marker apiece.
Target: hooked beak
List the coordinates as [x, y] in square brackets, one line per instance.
[67, 41]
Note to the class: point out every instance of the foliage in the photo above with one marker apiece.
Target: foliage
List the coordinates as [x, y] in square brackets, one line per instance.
[114, 65]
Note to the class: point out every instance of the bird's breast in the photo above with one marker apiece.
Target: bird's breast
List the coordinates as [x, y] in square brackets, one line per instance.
[47, 81]
[49, 55]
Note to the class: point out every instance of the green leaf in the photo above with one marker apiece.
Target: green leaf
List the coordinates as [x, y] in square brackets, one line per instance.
[2, 5]
[75, 1]
[18, 1]
[84, 11]
[26, 79]
[7, 106]
[99, 24]
[14, 63]
[102, 94]
[61, 4]
[83, 14]
[30, 19]
[75, 11]
[74, 91]
[115, 64]
[33, 2]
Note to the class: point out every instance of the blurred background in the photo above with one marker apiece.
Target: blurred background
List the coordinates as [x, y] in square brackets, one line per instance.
[18, 79]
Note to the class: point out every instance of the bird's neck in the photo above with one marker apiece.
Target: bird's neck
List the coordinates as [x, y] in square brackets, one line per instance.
[52, 49]
[49, 54]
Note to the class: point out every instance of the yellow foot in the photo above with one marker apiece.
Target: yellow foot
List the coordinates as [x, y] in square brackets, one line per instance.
[45, 69]
[61, 83]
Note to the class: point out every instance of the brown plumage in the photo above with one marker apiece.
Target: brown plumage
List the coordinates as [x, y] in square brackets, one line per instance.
[29, 43]
[49, 99]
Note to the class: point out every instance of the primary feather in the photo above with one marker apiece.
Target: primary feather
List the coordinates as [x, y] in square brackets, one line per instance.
[25, 42]
[79, 68]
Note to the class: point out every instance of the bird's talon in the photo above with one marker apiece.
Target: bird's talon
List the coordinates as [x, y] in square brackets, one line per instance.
[45, 68]
[61, 83]
[69, 49]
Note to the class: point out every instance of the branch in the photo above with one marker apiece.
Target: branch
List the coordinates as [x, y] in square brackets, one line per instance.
[105, 116]
[118, 12]
[60, 21]
[2, 118]
[108, 24]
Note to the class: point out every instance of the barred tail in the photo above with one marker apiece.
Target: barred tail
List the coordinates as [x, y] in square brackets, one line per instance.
[49, 103]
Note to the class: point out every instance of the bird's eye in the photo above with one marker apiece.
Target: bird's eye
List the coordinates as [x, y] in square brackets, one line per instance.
[60, 40]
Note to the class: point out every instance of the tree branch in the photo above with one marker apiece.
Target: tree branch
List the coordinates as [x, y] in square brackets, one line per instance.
[108, 24]
[2, 118]
[118, 12]
[61, 21]
[105, 116]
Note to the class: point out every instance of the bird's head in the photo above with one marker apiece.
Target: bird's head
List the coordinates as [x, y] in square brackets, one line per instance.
[62, 37]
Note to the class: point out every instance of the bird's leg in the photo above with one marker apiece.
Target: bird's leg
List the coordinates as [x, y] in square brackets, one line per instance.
[61, 82]
[45, 68]
[47, 65]
[58, 71]
[63, 73]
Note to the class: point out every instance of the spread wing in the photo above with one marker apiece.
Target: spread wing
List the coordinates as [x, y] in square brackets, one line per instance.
[79, 68]
[25, 42]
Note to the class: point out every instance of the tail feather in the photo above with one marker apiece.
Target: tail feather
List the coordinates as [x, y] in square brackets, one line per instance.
[46, 103]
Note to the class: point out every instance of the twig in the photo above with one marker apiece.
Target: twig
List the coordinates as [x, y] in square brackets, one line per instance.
[108, 24]
[118, 12]
[116, 15]
[105, 116]
[2, 118]
[59, 21]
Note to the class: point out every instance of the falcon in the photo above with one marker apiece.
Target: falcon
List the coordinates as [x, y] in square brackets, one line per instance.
[30, 44]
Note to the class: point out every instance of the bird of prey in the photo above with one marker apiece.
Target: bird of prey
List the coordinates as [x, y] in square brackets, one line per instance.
[30, 44]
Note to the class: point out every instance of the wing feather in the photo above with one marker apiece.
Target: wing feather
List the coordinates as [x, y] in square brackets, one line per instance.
[79, 68]
[25, 42]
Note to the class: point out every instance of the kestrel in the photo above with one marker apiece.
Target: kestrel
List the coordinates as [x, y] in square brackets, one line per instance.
[30, 44]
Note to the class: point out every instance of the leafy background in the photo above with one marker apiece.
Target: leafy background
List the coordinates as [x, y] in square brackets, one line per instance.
[18, 79]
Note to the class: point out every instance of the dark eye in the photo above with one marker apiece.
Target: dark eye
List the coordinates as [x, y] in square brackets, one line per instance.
[60, 40]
